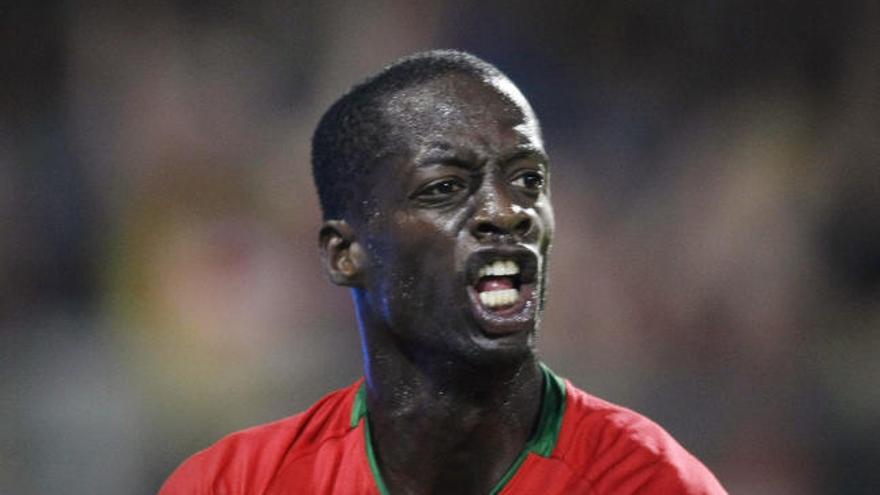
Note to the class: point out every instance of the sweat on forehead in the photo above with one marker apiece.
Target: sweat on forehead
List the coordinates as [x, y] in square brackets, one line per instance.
[355, 130]
[452, 100]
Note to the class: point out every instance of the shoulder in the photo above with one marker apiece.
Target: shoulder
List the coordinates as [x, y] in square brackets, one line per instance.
[246, 461]
[621, 451]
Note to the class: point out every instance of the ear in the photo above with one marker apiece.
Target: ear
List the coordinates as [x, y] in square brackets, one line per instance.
[341, 255]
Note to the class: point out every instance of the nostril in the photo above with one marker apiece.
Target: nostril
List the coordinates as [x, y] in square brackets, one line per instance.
[486, 228]
[523, 226]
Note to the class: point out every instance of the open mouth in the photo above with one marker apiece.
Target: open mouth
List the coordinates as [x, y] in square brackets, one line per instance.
[502, 288]
[498, 284]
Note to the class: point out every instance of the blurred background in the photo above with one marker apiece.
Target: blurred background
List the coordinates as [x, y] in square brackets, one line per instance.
[716, 176]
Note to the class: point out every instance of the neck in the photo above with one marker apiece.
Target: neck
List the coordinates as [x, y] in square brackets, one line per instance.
[447, 425]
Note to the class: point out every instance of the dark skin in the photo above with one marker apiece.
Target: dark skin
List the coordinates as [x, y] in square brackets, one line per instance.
[453, 387]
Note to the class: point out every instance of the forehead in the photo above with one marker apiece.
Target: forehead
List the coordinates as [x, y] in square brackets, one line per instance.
[463, 108]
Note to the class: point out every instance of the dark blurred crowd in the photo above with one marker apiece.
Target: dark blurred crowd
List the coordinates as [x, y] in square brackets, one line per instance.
[716, 178]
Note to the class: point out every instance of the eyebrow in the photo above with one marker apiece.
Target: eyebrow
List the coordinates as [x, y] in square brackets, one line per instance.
[446, 154]
[441, 153]
[524, 152]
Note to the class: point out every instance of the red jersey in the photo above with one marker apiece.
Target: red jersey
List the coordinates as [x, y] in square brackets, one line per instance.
[582, 445]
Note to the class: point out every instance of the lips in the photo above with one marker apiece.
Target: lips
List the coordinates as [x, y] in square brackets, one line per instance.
[501, 288]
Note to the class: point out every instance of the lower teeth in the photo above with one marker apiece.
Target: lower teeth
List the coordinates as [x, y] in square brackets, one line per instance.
[498, 298]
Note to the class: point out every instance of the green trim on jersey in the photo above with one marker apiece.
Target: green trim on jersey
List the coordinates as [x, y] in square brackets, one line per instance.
[358, 411]
[542, 442]
[546, 435]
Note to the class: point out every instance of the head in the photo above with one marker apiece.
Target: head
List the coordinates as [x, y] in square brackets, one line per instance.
[433, 181]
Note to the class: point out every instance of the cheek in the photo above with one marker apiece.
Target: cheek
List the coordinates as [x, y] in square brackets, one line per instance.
[427, 248]
[548, 223]
[413, 271]
[423, 237]
[412, 254]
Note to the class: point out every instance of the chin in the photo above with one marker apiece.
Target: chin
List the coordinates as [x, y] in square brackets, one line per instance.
[505, 350]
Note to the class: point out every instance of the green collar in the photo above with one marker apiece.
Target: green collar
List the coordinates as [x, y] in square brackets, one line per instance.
[542, 442]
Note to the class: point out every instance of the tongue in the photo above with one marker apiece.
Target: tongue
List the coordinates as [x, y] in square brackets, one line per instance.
[494, 283]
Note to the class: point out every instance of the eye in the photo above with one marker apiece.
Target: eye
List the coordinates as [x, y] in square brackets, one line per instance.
[441, 188]
[530, 180]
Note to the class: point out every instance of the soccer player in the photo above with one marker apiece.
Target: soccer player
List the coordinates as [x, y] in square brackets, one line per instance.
[434, 187]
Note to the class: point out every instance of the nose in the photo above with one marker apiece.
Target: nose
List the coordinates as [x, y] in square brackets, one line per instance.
[498, 219]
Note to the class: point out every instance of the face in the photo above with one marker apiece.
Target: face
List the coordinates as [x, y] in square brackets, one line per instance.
[457, 239]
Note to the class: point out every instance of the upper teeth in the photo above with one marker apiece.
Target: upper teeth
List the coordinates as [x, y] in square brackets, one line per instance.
[499, 268]
[498, 298]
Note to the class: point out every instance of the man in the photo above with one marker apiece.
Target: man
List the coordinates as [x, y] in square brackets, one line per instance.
[433, 182]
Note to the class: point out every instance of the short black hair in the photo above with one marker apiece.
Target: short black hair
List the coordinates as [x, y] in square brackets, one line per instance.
[352, 134]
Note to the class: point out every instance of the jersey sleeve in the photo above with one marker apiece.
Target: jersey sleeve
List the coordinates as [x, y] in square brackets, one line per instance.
[639, 457]
[241, 463]
[247, 461]
[618, 451]
[189, 478]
